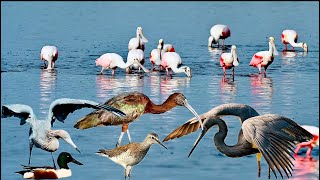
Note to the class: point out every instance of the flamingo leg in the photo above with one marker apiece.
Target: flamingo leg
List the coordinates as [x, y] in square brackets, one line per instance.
[54, 164]
[258, 156]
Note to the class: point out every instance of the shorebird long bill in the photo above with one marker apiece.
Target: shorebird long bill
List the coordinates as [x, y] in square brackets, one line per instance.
[203, 132]
[187, 105]
[161, 144]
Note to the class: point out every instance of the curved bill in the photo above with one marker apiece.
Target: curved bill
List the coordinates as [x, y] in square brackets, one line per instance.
[76, 162]
[161, 144]
[142, 67]
[187, 105]
[203, 132]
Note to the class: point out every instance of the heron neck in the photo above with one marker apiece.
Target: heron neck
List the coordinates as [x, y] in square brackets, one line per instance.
[162, 108]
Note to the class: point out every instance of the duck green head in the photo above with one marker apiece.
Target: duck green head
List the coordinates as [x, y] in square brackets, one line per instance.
[64, 158]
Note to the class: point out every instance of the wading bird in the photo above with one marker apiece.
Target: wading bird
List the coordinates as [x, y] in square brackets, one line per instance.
[218, 31]
[133, 56]
[47, 172]
[50, 54]
[41, 135]
[229, 60]
[130, 154]
[310, 144]
[112, 61]
[134, 104]
[291, 37]
[264, 58]
[139, 41]
[155, 55]
[171, 60]
[270, 135]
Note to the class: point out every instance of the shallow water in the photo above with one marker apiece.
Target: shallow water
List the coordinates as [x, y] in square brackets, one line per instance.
[83, 31]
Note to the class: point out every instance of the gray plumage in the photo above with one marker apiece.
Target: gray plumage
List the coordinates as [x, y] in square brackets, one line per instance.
[41, 135]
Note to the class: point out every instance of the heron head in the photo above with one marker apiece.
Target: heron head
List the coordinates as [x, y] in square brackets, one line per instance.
[153, 138]
[65, 136]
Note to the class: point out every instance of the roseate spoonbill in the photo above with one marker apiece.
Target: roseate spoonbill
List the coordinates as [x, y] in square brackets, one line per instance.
[139, 41]
[41, 135]
[112, 61]
[135, 55]
[47, 172]
[264, 58]
[155, 55]
[130, 154]
[229, 60]
[218, 31]
[310, 144]
[291, 37]
[134, 104]
[50, 54]
[173, 60]
[271, 135]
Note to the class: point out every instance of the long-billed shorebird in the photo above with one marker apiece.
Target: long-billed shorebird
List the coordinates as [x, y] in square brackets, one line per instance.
[47, 172]
[134, 104]
[130, 154]
[41, 135]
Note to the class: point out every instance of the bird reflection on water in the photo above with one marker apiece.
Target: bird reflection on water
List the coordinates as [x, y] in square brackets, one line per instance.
[48, 81]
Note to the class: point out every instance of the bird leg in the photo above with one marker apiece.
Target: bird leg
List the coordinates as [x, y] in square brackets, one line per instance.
[113, 71]
[101, 70]
[124, 129]
[309, 150]
[285, 45]
[129, 137]
[54, 164]
[119, 140]
[258, 156]
[52, 64]
[232, 71]
[44, 64]
[127, 172]
[292, 48]
[269, 172]
[30, 148]
[259, 67]
[222, 43]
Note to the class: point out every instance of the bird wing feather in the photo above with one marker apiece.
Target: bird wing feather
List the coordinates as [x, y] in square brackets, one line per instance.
[275, 137]
[21, 111]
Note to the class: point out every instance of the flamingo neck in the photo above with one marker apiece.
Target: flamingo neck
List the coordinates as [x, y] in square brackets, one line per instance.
[158, 109]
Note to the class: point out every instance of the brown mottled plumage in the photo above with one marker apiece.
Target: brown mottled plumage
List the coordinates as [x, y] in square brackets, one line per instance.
[133, 104]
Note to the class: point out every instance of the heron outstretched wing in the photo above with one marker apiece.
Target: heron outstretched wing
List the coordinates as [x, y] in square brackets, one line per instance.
[21, 111]
[275, 137]
[60, 108]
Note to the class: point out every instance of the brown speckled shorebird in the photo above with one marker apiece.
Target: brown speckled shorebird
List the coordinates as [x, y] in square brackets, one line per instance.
[130, 154]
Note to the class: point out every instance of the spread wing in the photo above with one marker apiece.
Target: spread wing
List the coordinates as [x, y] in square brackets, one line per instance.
[60, 108]
[275, 137]
[17, 110]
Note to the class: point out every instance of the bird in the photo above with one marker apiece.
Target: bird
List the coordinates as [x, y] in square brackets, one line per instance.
[133, 56]
[264, 58]
[47, 172]
[155, 54]
[139, 41]
[41, 135]
[229, 60]
[112, 61]
[130, 154]
[291, 37]
[310, 144]
[218, 31]
[134, 104]
[272, 136]
[171, 60]
[50, 54]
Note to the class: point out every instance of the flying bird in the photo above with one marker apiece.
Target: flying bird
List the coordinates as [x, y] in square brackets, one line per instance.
[41, 135]
[139, 41]
[131, 154]
[50, 54]
[270, 135]
[133, 104]
[291, 37]
[47, 172]
[218, 31]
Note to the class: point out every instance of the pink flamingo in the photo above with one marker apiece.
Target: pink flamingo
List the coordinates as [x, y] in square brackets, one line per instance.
[264, 58]
[139, 41]
[229, 60]
[310, 144]
[112, 61]
[50, 54]
[218, 31]
[173, 60]
[291, 37]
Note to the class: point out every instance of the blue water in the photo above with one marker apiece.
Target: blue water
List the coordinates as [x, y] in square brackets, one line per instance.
[83, 31]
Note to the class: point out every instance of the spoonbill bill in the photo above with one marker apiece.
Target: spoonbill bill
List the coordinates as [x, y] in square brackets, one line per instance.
[139, 41]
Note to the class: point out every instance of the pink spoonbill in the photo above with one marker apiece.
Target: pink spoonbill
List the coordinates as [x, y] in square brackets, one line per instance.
[112, 61]
[134, 56]
[310, 144]
[50, 54]
[229, 60]
[138, 42]
[173, 60]
[264, 58]
[218, 31]
[291, 37]
[155, 54]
